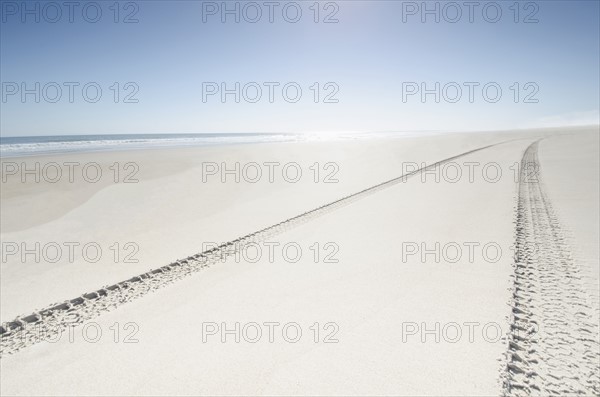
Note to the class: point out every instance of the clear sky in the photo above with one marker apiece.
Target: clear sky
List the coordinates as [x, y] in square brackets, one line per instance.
[373, 57]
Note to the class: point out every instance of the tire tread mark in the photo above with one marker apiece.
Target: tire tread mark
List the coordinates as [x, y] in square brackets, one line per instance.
[553, 343]
[49, 322]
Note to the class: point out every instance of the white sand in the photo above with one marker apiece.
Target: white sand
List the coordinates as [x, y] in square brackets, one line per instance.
[370, 293]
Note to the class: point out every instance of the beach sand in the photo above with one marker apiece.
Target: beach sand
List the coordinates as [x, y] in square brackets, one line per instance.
[400, 322]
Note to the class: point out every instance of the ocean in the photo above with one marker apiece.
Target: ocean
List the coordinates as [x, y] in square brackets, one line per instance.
[37, 145]
[32, 145]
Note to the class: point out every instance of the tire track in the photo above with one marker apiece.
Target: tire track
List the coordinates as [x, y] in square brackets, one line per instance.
[47, 323]
[553, 345]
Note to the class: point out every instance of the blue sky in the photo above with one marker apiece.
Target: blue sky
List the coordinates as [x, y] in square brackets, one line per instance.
[370, 57]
